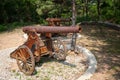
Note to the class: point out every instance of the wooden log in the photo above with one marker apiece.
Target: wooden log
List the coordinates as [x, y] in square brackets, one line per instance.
[54, 29]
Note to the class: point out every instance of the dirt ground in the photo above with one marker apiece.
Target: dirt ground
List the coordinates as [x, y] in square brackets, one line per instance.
[11, 39]
[103, 42]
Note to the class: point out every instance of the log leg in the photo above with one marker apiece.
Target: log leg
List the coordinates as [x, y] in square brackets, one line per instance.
[49, 46]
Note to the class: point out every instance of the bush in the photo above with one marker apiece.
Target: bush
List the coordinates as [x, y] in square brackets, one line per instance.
[3, 28]
[11, 26]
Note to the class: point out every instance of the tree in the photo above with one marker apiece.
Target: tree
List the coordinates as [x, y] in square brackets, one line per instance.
[39, 10]
[17, 10]
[98, 9]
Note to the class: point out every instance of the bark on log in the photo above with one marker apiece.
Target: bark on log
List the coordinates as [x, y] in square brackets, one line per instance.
[54, 29]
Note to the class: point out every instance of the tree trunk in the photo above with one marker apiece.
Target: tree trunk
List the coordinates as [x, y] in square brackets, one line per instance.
[73, 42]
[73, 13]
[86, 8]
[98, 9]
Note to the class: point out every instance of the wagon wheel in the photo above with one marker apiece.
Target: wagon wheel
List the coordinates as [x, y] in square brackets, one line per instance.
[26, 64]
[59, 50]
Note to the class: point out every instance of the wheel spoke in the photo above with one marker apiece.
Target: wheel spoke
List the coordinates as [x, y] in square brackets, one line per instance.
[29, 61]
[60, 50]
[28, 65]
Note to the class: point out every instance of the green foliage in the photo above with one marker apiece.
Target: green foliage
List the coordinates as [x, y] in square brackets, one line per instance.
[11, 26]
[17, 10]
[23, 11]
[110, 11]
[48, 8]
[3, 28]
[44, 7]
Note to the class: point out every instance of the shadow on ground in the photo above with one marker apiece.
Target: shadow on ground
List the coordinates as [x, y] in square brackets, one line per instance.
[46, 59]
[105, 44]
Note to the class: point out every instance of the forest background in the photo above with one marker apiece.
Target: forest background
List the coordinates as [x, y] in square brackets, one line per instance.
[14, 13]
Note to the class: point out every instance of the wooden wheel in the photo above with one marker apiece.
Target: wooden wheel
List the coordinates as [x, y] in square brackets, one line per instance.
[25, 60]
[59, 50]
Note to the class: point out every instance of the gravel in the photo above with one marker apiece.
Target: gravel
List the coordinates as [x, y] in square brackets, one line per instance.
[47, 69]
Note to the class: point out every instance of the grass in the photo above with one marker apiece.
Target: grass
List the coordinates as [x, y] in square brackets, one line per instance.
[29, 79]
[17, 74]
[13, 71]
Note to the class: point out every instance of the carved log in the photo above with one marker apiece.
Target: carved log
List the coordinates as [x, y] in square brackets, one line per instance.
[54, 29]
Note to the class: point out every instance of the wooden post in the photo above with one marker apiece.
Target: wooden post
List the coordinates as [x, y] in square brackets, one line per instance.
[73, 42]
[73, 13]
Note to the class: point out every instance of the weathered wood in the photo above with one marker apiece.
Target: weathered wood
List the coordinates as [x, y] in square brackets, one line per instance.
[54, 29]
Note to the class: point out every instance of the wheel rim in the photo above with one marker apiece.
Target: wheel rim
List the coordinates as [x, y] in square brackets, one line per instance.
[26, 66]
[59, 49]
